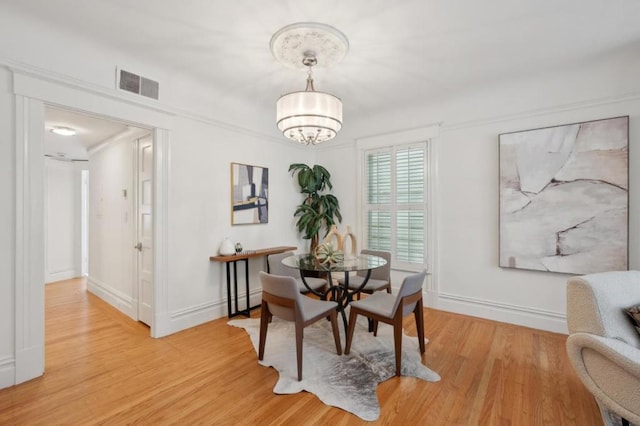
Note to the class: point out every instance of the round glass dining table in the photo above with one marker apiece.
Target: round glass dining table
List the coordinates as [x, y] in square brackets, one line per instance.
[338, 293]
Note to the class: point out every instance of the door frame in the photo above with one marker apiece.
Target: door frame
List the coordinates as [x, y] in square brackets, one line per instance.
[84, 222]
[32, 92]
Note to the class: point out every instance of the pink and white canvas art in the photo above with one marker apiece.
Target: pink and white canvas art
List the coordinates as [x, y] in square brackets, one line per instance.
[564, 197]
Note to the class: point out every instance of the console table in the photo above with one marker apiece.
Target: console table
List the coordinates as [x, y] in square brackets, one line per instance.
[235, 258]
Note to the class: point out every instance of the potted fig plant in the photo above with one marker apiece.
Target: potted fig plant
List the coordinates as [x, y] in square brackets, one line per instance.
[319, 210]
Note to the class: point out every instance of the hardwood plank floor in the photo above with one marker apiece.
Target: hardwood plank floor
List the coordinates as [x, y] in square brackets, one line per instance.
[102, 367]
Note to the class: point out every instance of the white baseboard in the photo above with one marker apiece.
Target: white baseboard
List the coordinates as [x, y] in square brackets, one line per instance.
[513, 314]
[199, 314]
[7, 372]
[122, 302]
[52, 277]
[430, 298]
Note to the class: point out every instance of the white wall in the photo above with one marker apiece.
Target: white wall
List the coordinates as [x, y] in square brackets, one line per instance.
[7, 231]
[62, 220]
[469, 280]
[200, 213]
[111, 225]
[199, 218]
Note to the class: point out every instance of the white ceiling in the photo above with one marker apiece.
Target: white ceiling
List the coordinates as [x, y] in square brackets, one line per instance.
[90, 132]
[401, 51]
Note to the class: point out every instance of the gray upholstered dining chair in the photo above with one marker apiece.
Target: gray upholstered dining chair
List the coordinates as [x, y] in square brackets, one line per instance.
[380, 278]
[274, 261]
[281, 298]
[391, 309]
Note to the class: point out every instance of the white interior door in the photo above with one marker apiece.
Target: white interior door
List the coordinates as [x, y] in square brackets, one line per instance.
[145, 229]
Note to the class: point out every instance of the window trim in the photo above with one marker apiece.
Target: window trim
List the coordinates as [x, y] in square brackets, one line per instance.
[428, 136]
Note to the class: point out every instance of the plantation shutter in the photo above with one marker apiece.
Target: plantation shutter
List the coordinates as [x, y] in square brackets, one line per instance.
[410, 165]
[379, 200]
[396, 202]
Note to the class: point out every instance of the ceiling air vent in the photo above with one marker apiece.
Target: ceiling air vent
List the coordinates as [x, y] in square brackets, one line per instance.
[139, 85]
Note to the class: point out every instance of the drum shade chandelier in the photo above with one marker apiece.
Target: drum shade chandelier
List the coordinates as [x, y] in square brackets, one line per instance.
[309, 117]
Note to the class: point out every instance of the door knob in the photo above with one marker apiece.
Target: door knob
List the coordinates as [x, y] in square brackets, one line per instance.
[138, 246]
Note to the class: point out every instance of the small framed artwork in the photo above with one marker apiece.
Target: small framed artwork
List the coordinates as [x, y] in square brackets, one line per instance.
[564, 197]
[249, 194]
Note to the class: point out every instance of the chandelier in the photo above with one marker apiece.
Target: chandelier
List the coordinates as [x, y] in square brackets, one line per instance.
[309, 117]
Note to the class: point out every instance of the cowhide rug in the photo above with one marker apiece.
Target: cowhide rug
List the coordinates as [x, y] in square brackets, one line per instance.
[348, 381]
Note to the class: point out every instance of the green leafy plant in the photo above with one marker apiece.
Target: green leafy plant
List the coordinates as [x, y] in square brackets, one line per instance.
[318, 210]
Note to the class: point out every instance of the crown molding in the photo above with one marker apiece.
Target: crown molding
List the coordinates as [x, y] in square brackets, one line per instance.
[538, 112]
[72, 82]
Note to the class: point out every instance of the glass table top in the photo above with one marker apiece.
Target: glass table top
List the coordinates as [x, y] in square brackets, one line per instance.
[306, 262]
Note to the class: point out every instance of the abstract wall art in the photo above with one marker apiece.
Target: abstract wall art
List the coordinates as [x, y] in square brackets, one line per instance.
[249, 194]
[564, 197]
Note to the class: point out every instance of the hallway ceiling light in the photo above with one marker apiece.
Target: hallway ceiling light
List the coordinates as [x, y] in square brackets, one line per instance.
[63, 131]
[309, 117]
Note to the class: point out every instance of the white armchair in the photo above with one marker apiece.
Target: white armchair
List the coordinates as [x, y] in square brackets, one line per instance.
[603, 346]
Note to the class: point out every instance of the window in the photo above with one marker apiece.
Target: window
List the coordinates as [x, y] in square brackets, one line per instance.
[395, 203]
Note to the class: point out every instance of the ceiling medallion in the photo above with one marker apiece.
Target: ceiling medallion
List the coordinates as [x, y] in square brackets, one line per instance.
[309, 117]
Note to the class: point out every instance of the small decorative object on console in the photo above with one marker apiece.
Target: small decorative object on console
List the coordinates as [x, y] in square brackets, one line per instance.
[238, 248]
[226, 248]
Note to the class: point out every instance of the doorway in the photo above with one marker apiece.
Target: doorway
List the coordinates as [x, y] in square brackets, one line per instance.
[105, 220]
[31, 94]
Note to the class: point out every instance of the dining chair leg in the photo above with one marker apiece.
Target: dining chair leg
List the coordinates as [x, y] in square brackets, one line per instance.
[265, 318]
[336, 334]
[419, 314]
[369, 325]
[299, 337]
[352, 325]
[397, 340]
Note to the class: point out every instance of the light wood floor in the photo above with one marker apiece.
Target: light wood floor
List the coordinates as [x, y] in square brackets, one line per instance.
[101, 367]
